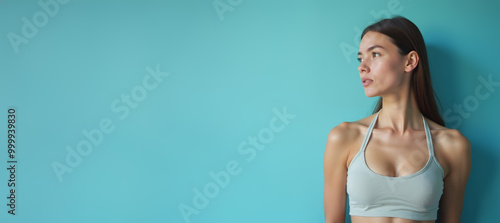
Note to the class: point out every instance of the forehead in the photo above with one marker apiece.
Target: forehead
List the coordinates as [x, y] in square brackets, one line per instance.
[376, 39]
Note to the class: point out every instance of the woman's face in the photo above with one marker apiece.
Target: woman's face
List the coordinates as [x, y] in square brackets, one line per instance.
[382, 68]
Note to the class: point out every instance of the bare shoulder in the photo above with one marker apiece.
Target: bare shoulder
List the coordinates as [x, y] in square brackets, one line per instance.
[450, 145]
[346, 132]
[345, 136]
[341, 133]
[449, 140]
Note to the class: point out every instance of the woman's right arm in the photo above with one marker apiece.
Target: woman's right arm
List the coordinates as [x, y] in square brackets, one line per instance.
[335, 174]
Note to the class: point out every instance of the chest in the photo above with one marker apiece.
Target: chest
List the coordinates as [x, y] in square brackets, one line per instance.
[396, 156]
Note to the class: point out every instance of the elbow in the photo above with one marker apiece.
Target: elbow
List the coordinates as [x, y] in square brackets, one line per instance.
[336, 220]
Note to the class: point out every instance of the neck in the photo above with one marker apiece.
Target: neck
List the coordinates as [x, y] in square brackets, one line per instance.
[400, 113]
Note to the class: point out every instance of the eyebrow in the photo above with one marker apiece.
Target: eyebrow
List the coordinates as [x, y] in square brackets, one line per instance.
[371, 48]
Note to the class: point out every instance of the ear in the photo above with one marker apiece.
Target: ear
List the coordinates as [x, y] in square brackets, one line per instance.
[412, 60]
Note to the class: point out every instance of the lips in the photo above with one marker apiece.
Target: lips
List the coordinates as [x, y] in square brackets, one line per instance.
[366, 81]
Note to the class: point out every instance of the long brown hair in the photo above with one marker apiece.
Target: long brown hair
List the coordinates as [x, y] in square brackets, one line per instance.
[407, 37]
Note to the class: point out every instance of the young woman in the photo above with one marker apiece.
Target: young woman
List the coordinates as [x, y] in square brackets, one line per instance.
[400, 164]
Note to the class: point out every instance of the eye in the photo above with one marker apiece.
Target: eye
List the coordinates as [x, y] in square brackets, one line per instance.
[360, 59]
[375, 54]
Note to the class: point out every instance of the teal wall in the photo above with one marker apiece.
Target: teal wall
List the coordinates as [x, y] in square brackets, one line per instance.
[131, 111]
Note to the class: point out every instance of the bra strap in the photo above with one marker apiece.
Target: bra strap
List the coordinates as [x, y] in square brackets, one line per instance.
[428, 137]
[369, 132]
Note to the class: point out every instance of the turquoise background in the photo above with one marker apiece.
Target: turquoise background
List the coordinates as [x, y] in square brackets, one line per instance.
[228, 77]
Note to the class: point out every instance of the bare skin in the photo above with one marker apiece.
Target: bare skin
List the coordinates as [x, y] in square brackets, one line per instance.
[398, 145]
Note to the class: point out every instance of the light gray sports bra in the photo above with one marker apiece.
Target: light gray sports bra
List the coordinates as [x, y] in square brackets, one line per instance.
[414, 197]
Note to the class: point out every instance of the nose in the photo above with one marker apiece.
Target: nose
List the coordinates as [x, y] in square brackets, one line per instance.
[363, 68]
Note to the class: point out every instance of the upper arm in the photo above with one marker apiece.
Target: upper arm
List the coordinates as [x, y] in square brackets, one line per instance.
[458, 157]
[335, 174]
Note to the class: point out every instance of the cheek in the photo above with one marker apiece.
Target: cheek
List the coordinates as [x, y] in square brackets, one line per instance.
[389, 71]
[397, 66]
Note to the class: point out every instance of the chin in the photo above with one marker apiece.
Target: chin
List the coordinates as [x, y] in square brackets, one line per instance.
[370, 94]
